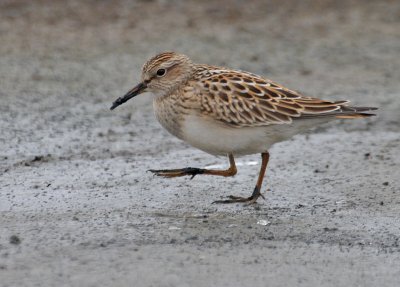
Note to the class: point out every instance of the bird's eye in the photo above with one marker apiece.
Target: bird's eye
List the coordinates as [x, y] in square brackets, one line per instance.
[161, 72]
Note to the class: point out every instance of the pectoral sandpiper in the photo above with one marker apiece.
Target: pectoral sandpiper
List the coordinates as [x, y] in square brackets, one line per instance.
[229, 112]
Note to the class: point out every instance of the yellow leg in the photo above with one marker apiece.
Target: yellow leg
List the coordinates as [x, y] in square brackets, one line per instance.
[257, 190]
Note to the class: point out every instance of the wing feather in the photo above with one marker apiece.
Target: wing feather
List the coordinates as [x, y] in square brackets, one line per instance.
[243, 99]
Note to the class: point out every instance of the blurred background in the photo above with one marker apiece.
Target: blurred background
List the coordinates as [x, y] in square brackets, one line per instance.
[72, 172]
[63, 57]
[64, 62]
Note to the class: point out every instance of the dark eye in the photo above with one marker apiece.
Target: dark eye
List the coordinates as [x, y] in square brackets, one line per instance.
[161, 72]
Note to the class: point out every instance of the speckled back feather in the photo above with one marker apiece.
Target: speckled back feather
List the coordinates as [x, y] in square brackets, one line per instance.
[243, 99]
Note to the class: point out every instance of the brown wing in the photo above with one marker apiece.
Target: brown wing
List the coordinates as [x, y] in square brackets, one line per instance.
[244, 99]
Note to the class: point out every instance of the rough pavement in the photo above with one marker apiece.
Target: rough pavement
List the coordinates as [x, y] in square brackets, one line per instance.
[77, 207]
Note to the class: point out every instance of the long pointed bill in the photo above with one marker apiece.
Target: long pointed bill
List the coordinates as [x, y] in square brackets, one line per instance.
[132, 93]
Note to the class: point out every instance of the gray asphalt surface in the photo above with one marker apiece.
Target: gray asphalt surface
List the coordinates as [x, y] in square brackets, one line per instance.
[77, 207]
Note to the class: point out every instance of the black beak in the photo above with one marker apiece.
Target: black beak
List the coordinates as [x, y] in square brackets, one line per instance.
[132, 93]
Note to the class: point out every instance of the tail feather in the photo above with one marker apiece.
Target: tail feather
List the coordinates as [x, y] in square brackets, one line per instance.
[355, 116]
[355, 112]
[345, 112]
[357, 109]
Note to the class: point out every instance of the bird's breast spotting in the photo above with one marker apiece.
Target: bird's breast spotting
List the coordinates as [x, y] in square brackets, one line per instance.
[168, 116]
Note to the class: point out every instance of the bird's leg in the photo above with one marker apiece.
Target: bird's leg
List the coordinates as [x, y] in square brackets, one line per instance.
[193, 171]
[257, 190]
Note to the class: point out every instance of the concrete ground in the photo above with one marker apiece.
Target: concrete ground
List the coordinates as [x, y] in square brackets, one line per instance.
[77, 207]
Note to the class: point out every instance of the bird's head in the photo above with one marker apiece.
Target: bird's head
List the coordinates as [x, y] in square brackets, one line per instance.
[160, 75]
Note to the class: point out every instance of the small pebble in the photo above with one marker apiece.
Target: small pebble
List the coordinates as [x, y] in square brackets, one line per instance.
[263, 222]
[14, 239]
[173, 228]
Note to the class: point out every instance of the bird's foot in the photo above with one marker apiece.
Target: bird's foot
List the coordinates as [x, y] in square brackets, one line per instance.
[190, 171]
[247, 200]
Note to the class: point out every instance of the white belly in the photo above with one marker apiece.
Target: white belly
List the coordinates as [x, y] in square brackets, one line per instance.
[219, 139]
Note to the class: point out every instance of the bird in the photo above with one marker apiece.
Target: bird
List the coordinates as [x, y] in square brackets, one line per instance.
[228, 112]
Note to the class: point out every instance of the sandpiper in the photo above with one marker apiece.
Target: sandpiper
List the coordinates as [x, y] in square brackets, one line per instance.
[229, 112]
